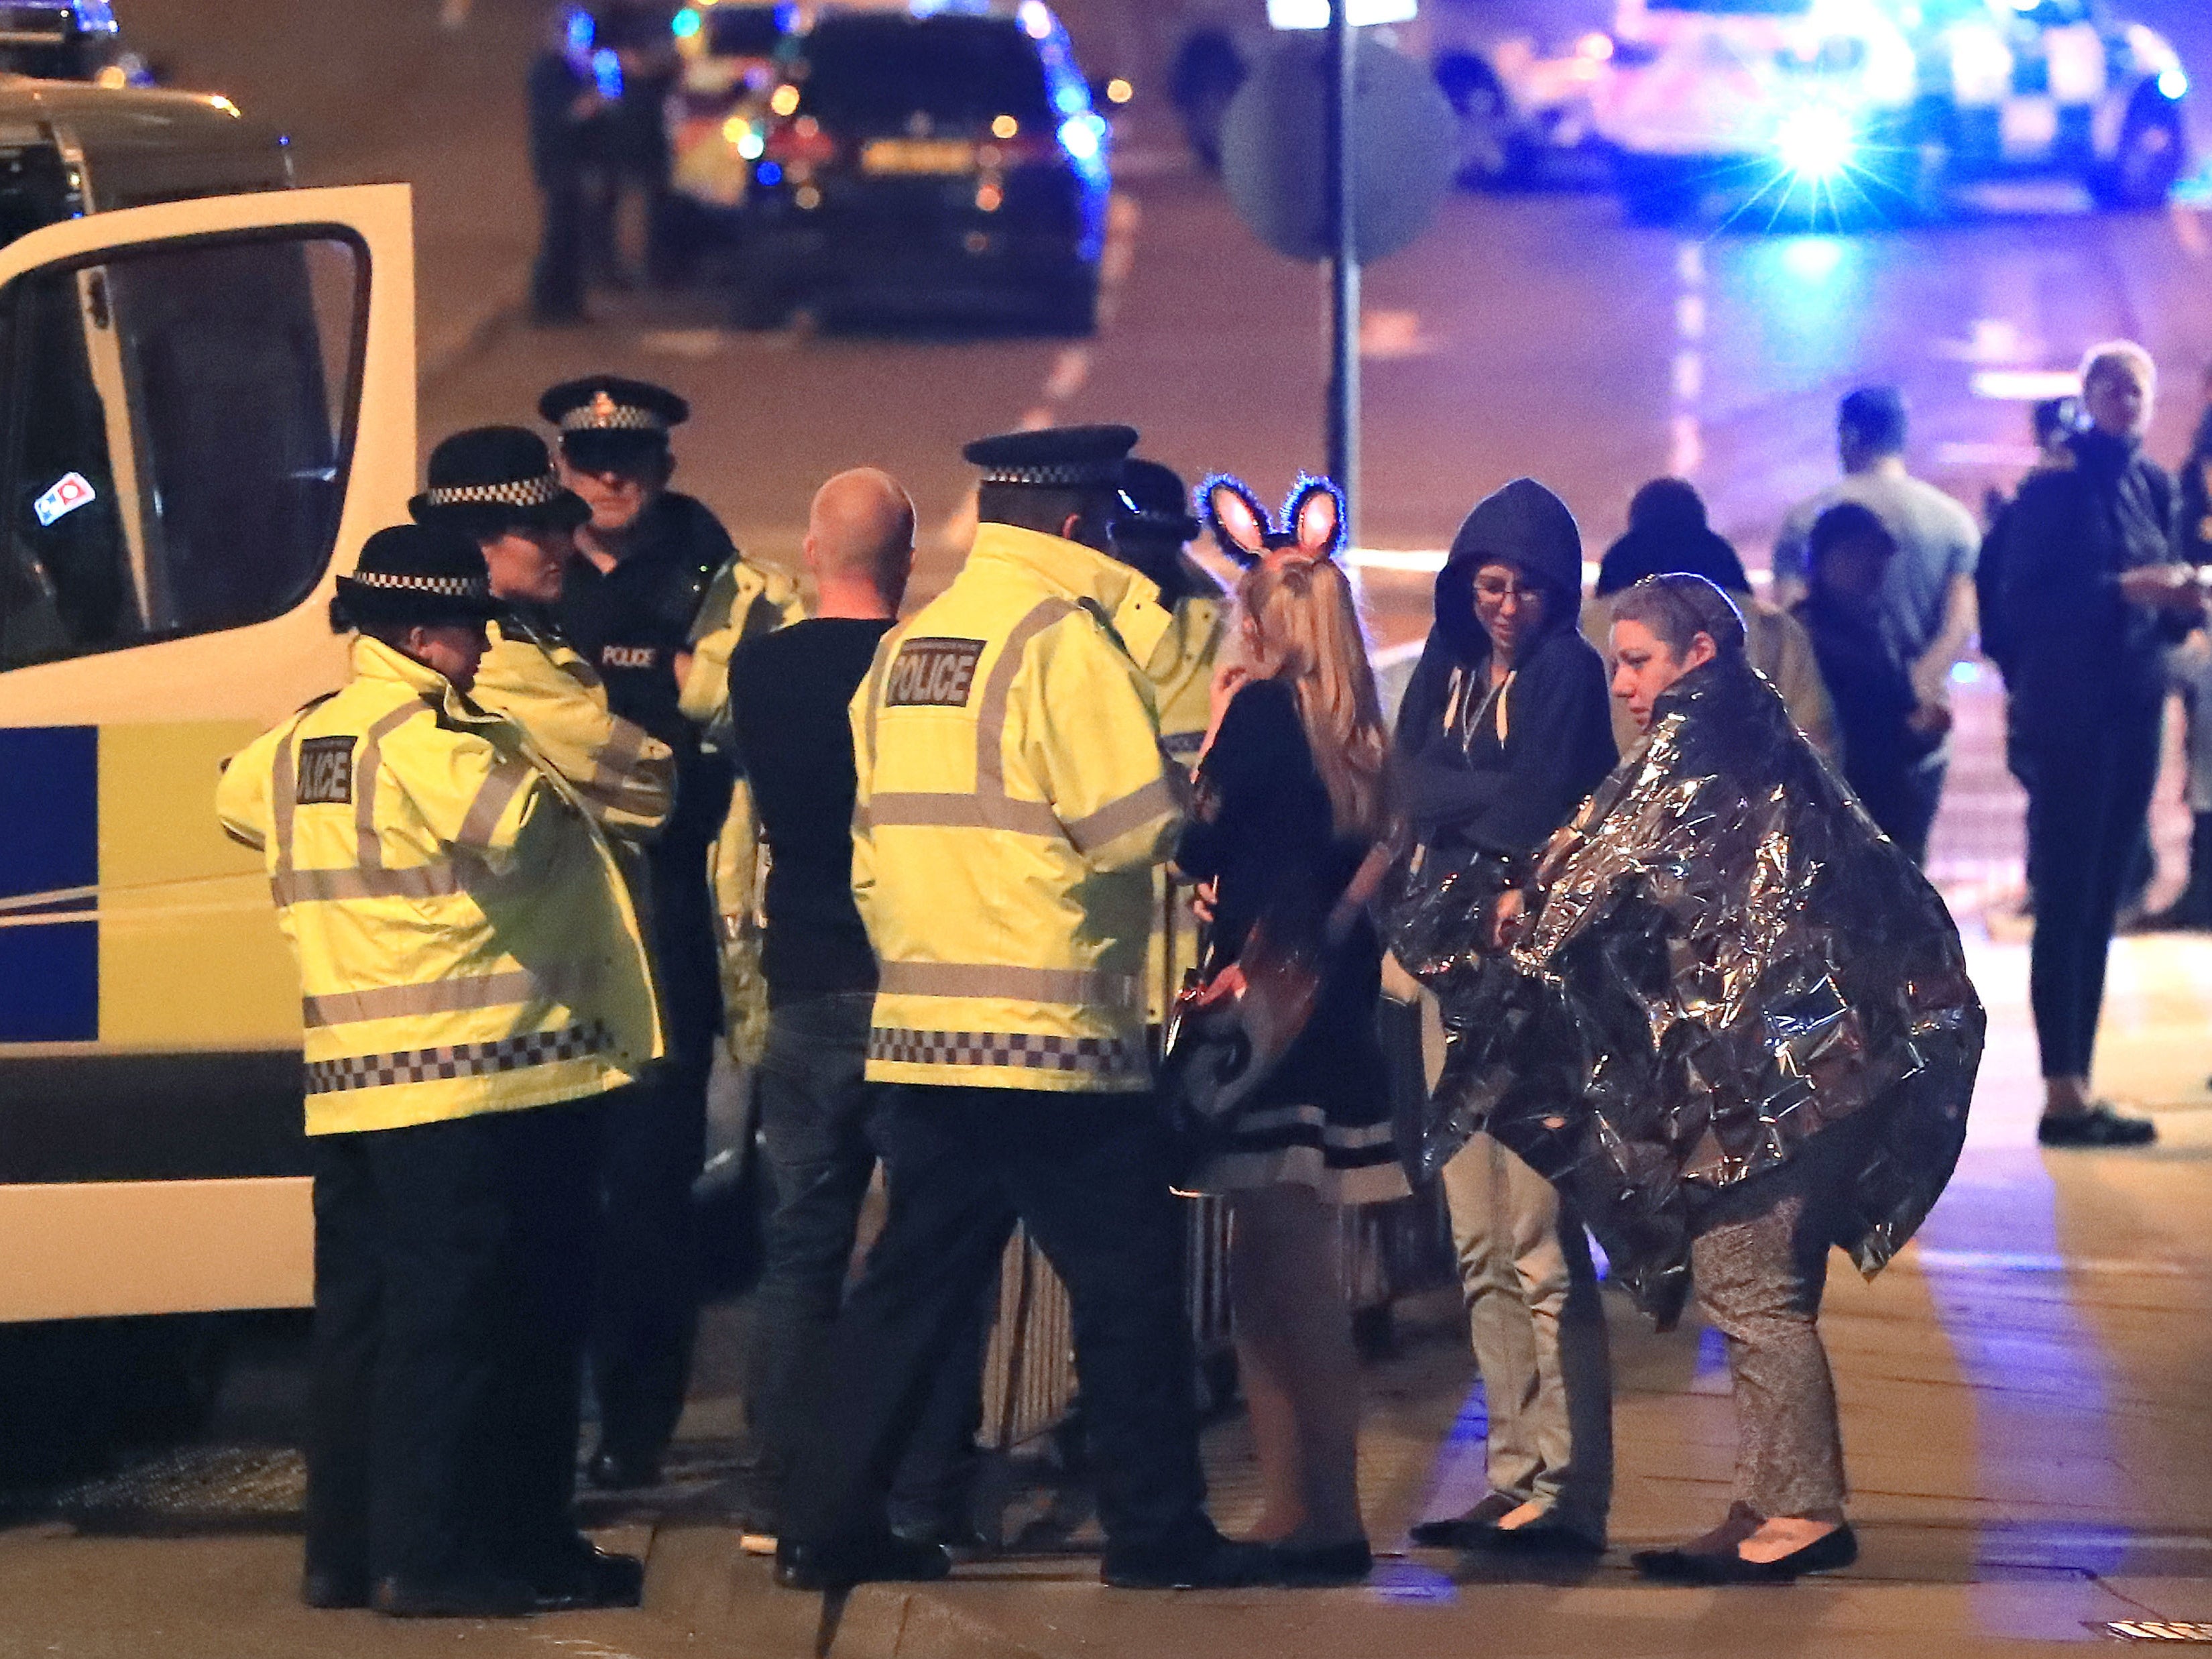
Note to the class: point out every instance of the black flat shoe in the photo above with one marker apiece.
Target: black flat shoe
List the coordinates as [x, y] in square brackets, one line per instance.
[1221, 1564]
[588, 1577]
[886, 1558]
[1321, 1565]
[1549, 1539]
[329, 1587]
[1465, 1530]
[2099, 1126]
[473, 1595]
[1693, 1566]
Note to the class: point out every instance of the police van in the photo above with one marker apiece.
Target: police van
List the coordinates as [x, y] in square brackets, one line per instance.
[209, 387]
[1885, 105]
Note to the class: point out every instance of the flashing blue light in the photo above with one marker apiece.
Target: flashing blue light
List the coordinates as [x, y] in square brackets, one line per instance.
[686, 24]
[1080, 135]
[1816, 143]
[770, 174]
[2174, 83]
[582, 31]
[607, 72]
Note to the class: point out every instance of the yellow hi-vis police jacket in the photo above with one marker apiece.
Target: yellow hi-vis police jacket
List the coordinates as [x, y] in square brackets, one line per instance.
[1014, 798]
[625, 775]
[1181, 669]
[466, 941]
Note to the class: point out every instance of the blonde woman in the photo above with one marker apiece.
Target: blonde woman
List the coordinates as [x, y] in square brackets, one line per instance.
[1289, 805]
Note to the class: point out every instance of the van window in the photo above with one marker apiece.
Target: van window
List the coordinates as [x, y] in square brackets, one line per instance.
[177, 428]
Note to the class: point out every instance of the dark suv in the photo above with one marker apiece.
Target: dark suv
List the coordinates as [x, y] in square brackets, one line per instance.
[946, 156]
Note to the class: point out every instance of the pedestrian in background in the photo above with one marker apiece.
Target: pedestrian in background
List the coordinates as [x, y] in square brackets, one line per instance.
[631, 605]
[1890, 738]
[1667, 530]
[1504, 729]
[474, 980]
[789, 692]
[1929, 606]
[564, 106]
[1012, 799]
[2092, 595]
[1290, 806]
[2197, 486]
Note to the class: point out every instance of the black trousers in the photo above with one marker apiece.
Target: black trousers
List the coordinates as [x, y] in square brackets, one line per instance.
[452, 1277]
[2086, 805]
[648, 1305]
[1088, 1176]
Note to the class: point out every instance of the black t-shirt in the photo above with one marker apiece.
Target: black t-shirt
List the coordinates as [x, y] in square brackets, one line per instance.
[788, 694]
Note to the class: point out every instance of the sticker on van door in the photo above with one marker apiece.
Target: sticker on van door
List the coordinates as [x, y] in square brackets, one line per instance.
[71, 491]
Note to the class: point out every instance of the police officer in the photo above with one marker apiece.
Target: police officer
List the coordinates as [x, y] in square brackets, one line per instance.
[564, 106]
[496, 486]
[1153, 531]
[650, 557]
[474, 980]
[1012, 799]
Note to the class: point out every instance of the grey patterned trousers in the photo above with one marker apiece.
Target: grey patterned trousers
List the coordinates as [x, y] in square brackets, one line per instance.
[1760, 1261]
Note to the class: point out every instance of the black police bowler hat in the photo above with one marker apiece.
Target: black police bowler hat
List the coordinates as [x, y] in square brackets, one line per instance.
[1156, 502]
[607, 422]
[415, 574]
[1057, 458]
[484, 479]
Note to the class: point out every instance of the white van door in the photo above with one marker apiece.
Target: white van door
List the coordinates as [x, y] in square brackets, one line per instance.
[205, 408]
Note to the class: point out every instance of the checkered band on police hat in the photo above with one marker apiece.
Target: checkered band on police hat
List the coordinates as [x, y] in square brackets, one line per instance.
[444, 588]
[602, 413]
[1067, 475]
[546, 488]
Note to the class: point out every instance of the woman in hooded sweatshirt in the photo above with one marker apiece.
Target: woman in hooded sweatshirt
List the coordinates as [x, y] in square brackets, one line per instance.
[1668, 533]
[1506, 725]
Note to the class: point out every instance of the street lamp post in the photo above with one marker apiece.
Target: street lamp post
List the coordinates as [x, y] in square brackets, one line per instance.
[1341, 196]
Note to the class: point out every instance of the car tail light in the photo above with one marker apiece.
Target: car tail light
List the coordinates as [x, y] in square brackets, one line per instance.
[801, 143]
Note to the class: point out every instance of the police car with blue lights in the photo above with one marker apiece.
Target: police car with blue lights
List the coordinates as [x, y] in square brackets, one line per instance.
[944, 155]
[1850, 107]
[68, 40]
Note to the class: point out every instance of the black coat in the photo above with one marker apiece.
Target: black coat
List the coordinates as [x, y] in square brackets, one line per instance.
[2195, 527]
[2078, 656]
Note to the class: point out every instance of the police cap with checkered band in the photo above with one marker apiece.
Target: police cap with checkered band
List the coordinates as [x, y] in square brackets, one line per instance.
[489, 479]
[609, 424]
[1079, 459]
[414, 576]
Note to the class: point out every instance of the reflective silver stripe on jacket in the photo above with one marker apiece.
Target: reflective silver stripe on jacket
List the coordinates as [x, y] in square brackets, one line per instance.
[988, 806]
[610, 767]
[369, 851]
[322, 886]
[445, 996]
[481, 822]
[1157, 799]
[999, 981]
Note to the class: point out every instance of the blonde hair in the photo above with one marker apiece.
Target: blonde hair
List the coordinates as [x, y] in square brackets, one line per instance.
[1305, 630]
[2115, 355]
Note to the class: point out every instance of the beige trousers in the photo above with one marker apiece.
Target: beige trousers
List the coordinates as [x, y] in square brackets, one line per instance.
[1539, 1332]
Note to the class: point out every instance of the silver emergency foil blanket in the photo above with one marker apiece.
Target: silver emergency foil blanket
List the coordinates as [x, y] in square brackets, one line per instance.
[1727, 958]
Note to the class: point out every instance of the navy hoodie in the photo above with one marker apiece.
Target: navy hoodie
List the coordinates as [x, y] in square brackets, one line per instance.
[1456, 783]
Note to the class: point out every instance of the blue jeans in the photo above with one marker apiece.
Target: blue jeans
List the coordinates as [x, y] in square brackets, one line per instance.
[817, 1119]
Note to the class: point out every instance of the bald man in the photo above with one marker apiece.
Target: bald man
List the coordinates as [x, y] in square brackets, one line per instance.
[788, 692]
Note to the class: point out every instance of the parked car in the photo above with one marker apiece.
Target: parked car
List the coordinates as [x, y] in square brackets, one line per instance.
[946, 157]
[68, 40]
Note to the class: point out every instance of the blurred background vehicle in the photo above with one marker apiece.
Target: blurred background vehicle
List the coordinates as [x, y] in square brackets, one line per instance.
[2071, 87]
[68, 40]
[1793, 106]
[718, 114]
[947, 157]
[1521, 75]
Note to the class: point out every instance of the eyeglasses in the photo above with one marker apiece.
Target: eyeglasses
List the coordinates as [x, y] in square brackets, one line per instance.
[1494, 591]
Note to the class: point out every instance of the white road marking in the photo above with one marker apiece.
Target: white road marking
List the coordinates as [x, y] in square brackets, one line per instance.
[1686, 452]
[453, 14]
[1689, 376]
[1685, 440]
[1071, 367]
[2013, 458]
[1690, 264]
[1390, 337]
[2189, 230]
[695, 344]
[1992, 340]
[2025, 385]
[1690, 317]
